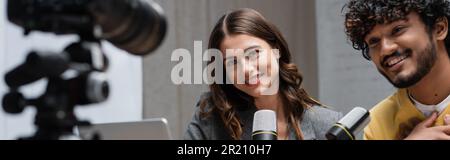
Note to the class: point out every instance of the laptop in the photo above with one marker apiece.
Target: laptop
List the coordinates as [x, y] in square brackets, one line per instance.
[150, 129]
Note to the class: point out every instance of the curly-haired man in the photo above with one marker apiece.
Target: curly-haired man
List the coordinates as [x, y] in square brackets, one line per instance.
[407, 41]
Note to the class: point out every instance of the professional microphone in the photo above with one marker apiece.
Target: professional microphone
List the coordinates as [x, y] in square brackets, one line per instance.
[264, 125]
[350, 125]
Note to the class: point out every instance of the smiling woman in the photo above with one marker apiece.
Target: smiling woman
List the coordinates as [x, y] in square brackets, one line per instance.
[251, 44]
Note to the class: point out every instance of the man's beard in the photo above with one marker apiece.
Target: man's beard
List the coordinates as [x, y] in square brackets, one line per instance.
[425, 61]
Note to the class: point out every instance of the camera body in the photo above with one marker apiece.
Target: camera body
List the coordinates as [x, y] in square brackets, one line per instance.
[136, 26]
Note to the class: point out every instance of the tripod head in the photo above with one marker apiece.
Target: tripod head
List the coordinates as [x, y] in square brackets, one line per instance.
[76, 76]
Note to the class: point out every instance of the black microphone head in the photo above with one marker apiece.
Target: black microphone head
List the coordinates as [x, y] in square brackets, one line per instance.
[264, 125]
[350, 125]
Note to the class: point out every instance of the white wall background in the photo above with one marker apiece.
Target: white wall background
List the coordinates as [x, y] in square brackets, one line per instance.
[125, 78]
[2, 61]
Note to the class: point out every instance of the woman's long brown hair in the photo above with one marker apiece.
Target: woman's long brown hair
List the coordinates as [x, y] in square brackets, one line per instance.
[226, 99]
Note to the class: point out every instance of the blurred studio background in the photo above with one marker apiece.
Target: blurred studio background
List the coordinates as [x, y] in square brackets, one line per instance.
[141, 87]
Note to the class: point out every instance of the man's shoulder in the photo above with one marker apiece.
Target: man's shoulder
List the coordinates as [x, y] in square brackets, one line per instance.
[387, 106]
[382, 118]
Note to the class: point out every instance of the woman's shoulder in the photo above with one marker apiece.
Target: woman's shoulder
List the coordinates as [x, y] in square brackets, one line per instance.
[205, 126]
[321, 119]
[204, 105]
[321, 112]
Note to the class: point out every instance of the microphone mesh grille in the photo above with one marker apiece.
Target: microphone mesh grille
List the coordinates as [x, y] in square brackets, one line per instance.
[353, 117]
[265, 120]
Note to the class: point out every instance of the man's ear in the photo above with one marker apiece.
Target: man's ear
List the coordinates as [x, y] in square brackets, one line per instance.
[441, 28]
